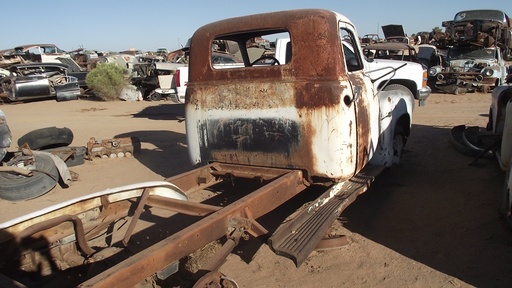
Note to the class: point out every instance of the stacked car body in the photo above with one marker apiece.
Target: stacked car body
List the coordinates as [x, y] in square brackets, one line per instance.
[478, 43]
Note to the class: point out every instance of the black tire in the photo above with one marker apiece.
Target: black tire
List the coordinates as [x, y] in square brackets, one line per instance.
[49, 137]
[457, 140]
[398, 87]
[155, 96]
[399, 140]
[76, 158]
[15, 187]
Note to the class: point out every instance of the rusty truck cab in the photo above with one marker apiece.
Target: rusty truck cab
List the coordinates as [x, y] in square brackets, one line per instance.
[310, 113]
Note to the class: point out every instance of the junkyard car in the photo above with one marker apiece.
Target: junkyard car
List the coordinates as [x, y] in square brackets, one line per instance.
[395, 33]
[40, 52]
[156, 80]
[484, 27]
[370, 39]
[391, 50]
[39, 80]
[470, 68]
[430, 55]
[8, 58]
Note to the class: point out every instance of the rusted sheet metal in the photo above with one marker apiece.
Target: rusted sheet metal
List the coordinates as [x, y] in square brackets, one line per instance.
[363, 120]
[111, 148]
[308, 62]
[187, 208]
[195, 179]
[301, 113]
[206, 230]
[78, 227]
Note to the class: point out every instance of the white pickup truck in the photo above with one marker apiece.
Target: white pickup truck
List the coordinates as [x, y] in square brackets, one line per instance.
[386, 74]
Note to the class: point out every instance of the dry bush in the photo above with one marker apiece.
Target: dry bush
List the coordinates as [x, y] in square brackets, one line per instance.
[107, 80]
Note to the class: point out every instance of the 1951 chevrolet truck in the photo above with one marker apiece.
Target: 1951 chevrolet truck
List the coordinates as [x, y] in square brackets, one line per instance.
[259, 132]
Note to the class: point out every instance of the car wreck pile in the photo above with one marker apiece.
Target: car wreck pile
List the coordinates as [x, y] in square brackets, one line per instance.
[41, 71]
[44, 71]
[477, 44]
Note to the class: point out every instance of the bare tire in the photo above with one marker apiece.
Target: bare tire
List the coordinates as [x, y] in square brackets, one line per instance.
[49, 137]
[15, 187]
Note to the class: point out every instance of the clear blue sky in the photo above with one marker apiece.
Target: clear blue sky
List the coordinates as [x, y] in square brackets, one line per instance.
[146, 25]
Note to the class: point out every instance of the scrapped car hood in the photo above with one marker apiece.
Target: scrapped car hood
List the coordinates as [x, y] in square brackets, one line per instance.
[393, 30]
[380, 67]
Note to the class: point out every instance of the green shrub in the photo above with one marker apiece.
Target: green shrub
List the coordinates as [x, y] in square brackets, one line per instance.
[107, 80]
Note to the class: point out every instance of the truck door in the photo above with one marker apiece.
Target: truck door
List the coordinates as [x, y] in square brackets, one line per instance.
[364, 99]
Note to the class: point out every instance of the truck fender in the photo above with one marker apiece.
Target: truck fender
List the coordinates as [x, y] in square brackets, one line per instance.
[395, 110]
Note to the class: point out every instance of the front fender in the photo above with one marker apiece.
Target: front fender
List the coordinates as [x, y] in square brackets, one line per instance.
[395, 110]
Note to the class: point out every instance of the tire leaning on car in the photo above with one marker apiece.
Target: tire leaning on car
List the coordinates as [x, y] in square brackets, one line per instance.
[16, 187]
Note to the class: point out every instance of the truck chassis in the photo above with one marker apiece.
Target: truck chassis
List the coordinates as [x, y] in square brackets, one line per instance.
[72, 231]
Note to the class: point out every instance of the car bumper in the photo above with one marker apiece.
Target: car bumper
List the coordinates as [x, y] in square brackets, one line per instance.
[422, 94]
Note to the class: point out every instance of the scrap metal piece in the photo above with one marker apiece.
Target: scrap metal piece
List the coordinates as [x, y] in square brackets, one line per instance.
[332, 242]
[297, 238]
[78, 228]
[112, 148]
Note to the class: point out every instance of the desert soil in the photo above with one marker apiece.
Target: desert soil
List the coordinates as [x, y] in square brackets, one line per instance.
[432, 221]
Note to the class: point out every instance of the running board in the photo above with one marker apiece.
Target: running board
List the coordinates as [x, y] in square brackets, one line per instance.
[297, 238]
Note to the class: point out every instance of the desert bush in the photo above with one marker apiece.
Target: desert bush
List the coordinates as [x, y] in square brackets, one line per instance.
[107, 80]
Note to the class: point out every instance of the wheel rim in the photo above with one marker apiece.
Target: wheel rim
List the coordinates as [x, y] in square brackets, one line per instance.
[156, 96]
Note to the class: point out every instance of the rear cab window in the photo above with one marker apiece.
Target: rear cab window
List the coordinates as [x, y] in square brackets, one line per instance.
[251, 50]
